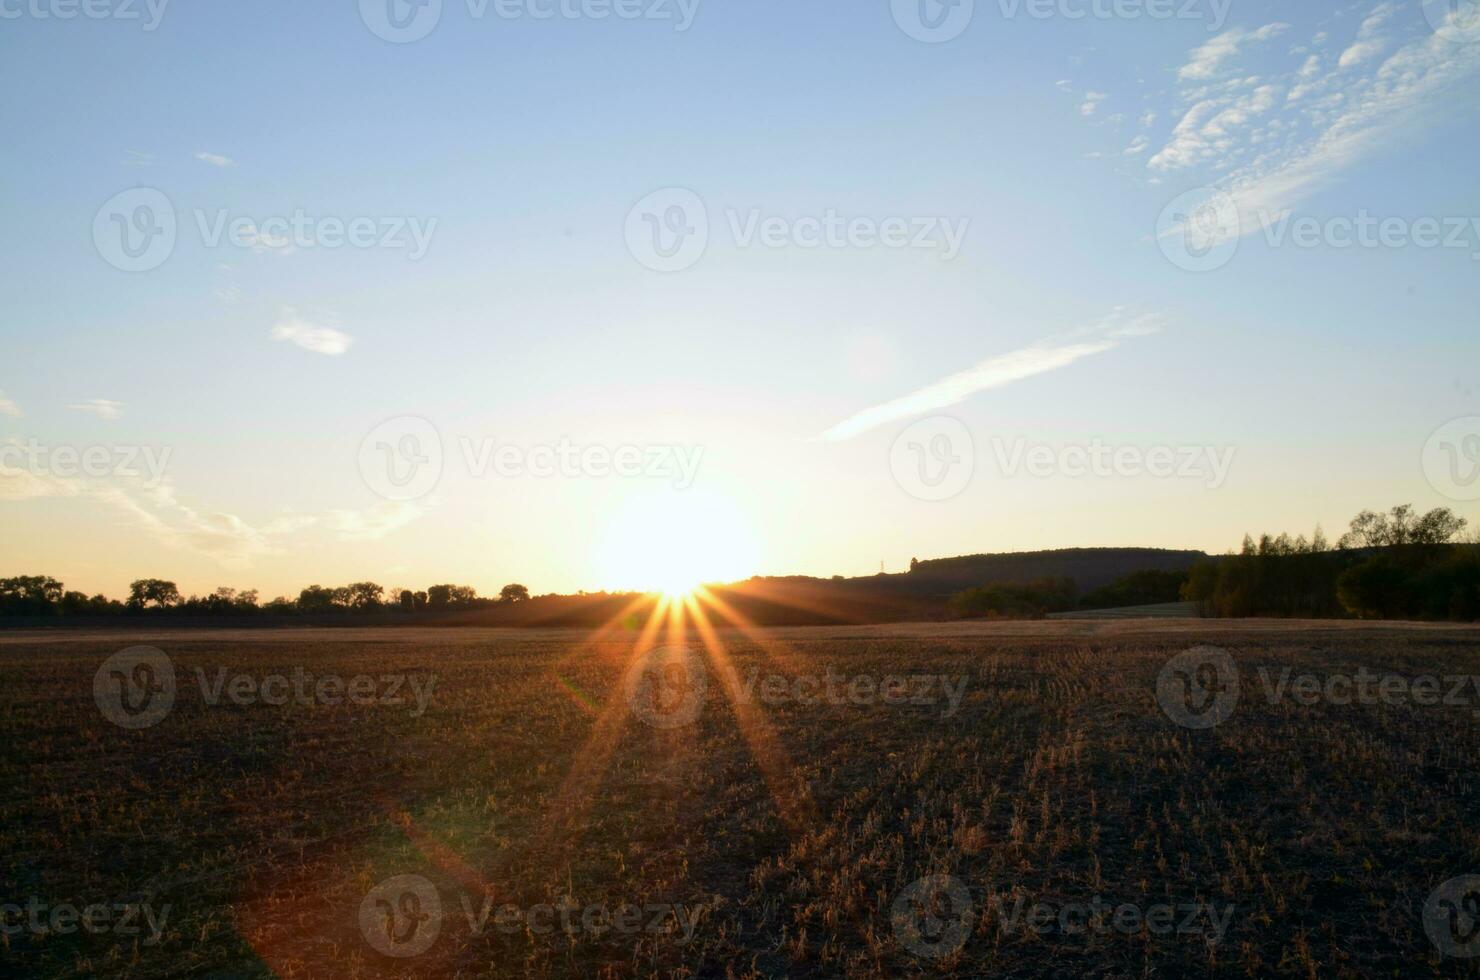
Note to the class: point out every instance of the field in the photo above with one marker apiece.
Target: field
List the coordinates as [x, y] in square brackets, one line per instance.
[1049, 799]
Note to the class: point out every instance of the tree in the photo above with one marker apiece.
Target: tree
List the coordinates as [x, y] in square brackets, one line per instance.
[447, 596]
[1400, 527]
[407, 600]
[363, 595]
[316, 598]
[29, 593]
[513, 592]
[161, 593]
[1438, 526]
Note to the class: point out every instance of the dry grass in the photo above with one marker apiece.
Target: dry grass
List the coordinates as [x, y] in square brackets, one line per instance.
[793, 827]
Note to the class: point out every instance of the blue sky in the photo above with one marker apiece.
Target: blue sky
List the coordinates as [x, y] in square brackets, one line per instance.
[524, 144]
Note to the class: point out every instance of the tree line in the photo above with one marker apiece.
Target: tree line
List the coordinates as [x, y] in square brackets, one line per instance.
[1394, 565]
[40, 597]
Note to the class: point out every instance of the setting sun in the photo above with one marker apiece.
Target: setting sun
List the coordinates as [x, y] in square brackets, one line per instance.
[674, 542]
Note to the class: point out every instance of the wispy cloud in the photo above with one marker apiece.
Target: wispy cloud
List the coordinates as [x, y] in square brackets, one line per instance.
[137, 158]
[214, 159]
[8, 407]
[103, 408]
[150, 503]
[1207, 59]
[375, 522]
[1091, 103]
[1273, 138]
[1004, 369]
[311, 336]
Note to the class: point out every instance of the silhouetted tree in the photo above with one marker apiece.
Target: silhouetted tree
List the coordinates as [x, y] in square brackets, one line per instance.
[161, 593]
[513, 592]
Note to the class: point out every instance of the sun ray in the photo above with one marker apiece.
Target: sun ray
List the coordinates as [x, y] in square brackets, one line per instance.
[760, 736]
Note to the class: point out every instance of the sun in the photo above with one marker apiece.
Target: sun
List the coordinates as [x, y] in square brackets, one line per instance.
[674, 541]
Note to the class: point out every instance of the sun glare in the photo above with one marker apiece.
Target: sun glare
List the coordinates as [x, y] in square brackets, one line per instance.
[674, 542]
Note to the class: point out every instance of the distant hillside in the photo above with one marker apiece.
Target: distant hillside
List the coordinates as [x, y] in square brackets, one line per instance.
[1090, 568]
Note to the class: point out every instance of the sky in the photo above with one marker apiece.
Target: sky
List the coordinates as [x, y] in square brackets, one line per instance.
[611, 293]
